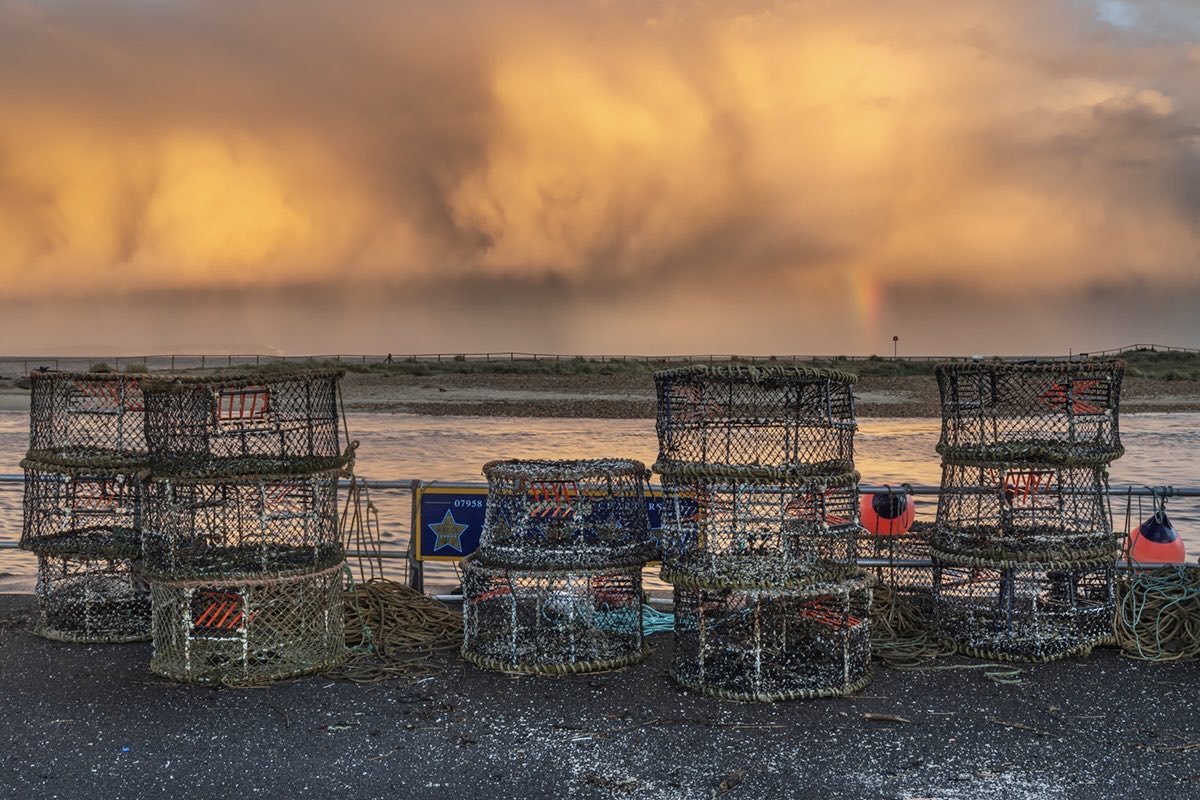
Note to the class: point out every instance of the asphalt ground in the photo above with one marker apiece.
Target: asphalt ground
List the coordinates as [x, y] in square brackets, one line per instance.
[89, 721]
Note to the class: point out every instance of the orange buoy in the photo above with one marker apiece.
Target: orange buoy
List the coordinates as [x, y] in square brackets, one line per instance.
[887, 513]
[1155, 541]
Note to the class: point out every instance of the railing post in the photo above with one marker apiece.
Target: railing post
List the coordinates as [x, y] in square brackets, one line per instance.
[416, 569]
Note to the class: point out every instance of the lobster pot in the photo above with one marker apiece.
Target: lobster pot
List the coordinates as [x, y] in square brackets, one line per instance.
[899, 564]
[245, 425]
[755, 526]
[791, 417]
[772, 644]
[87, 418]
[91, 599]
[210, 527]
[1024, 512]
[239, 633]
[1036, 613]
[1001, 411]
[80, 511]
[551, 621]
[560, 514]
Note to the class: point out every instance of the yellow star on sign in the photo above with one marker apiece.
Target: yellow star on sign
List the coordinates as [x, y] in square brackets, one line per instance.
[449, 532]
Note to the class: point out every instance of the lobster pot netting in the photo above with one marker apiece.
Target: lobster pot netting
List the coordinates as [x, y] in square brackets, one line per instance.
[71, 511]
[1003, 411]
[230, 528]
[899, 563]
[87, 418]
[791, 417]
[245, 425]
[248, 632]
[551, 621]
[566, 513]
[768, 645]
[1024, 512]
[1024, 614]
[91, 599]
[755, 527]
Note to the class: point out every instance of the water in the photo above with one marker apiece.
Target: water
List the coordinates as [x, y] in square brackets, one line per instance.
[1160, 449]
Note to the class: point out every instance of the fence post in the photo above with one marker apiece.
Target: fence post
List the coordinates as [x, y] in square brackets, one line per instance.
[172, 362]
[202, 362]
[229, 361]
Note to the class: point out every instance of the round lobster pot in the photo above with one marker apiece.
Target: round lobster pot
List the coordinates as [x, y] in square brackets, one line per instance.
[91, 599]
[240, 633]
[551, 621]
[994, 411]
[1023, 512]
[1035, 613]
[774, 644]
[791, 417]
[80, 511]
[755, 526]
[213, 527]
[560, 514]
[246, 424]
[93, 418]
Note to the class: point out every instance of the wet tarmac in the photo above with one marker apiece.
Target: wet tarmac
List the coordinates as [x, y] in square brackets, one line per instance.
[89, 721]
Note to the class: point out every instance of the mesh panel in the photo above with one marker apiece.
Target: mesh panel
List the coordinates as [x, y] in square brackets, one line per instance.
[196, 527]
[245, 633]
[1027, 614]
[995, 411]
[566, 513]
[245, 425]
[96, 418]
[551, 621]
[778, 416]
[896, 562]
[773, 645]
[1024, 512]
[92, 599]
[80, 511]
[756, 531]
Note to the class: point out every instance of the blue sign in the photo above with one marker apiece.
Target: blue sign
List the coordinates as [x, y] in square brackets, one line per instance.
[449, 520]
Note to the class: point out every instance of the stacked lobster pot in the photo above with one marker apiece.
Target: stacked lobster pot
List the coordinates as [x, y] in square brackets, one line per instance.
[241, 541]
[81, 506]
[759, 531]
[556, 584]
[1023, 546]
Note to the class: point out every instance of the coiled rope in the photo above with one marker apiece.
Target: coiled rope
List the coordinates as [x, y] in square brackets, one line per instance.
[1158, 613]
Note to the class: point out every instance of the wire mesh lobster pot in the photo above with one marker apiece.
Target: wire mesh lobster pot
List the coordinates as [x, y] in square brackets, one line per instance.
[246, 424]
[1024, 512]
[1035, 613]
[240, 633]
[566, 513]
[755, 526]
[91, 599]
[790, 417]
[95, 418]
[774, 644]
[80, 511]
[1004, 411]
[551, 621]
[222, 527]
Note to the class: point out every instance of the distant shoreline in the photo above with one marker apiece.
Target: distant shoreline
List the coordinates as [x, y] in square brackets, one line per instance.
[629, 394]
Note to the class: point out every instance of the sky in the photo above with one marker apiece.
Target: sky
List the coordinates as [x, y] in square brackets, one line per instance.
[600, 176]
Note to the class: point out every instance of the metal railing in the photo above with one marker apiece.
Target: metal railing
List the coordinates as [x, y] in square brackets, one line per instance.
[410, 486]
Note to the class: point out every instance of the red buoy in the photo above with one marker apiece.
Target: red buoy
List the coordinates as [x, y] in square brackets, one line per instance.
[1156, 541]
[887, 513]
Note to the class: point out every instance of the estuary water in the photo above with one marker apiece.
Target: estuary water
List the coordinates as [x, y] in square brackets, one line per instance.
[1160, 449]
